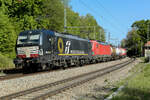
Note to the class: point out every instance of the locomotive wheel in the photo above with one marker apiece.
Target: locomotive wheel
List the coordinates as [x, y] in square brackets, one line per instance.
[64, 66]
[81, 63]
[77, 64]
[50, 66]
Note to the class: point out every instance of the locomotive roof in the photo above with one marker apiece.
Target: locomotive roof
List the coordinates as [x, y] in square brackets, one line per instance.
[103, 43]
[37, 31]
[71, 36]
[53, 33]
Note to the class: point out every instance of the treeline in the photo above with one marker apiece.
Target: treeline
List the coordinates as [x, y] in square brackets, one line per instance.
[137, 37]
[20, 15]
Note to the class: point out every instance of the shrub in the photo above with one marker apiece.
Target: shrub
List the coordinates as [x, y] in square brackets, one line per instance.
[5, 62]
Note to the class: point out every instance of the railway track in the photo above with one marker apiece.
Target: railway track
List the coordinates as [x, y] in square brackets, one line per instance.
[47, 90]
[10, 73]
[19, 73]
[6, 77]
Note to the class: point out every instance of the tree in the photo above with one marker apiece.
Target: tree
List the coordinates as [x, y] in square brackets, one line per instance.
[137, 37]
[143, 28]
[133, 43]
[20, 15]
[54, 14]
[7, 34]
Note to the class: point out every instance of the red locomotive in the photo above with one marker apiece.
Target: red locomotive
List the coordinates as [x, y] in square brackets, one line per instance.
[99, 48]
[103, 51]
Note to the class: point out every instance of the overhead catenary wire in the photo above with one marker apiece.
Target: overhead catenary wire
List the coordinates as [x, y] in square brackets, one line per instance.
[98, 14]
[108, 12]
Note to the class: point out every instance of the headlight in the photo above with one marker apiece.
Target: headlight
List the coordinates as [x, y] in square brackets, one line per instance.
[18, 48]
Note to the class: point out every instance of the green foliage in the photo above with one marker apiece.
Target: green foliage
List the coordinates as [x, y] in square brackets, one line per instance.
[137, 37]
[143, 28]
[86, 26]
[133, 41]
[5, 62]
[138, 87]
[20, 15]
[54, 14]
[7, 35]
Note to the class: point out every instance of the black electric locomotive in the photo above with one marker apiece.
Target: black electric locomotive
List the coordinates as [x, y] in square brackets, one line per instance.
[42, 49]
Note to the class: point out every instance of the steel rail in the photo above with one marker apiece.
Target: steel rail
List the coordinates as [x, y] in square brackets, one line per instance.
[42, 96]
[20, 74]
[51, 93]
[12, 76]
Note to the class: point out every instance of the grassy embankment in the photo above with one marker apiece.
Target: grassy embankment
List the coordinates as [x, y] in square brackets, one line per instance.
[138, 87]
[5, 62]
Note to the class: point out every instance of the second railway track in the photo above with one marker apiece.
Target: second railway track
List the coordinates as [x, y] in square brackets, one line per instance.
[47, 90]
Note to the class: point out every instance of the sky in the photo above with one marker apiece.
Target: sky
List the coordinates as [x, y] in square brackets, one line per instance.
[115, 16]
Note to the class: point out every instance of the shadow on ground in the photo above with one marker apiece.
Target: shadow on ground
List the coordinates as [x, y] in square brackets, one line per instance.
[98, 93]
[12, 71]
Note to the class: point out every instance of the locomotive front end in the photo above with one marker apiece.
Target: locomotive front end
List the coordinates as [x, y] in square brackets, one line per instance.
[28, 48]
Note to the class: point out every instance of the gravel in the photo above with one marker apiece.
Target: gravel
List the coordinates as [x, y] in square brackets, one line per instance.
[96, 89]
[23, 83]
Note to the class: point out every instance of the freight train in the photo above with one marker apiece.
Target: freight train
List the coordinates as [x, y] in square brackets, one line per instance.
[46, 49]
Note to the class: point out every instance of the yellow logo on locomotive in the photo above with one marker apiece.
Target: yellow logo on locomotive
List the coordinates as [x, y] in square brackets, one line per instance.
[60, 45]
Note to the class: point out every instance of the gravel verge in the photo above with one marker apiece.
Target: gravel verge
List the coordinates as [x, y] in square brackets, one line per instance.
[96, 89]
[23, 83]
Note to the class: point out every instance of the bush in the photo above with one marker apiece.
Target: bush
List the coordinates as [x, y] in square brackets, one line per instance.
[146, 59]
[5, 62]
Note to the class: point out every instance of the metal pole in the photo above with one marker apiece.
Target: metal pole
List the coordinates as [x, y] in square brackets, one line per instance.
[65, 16]
[141, 49]
[94, 33]
[148, 38]
[117, 43]
[148, 32]
[108, 37]
[100, 35]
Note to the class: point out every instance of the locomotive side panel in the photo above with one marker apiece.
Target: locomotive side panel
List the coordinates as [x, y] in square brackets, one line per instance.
[100, 49]
[105, 50]
[72, 47]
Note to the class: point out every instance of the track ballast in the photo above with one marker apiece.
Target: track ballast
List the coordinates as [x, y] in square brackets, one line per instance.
[47, 90]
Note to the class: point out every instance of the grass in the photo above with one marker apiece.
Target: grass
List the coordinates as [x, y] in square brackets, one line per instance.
[142, 58]
[5, 62]
[138, 87]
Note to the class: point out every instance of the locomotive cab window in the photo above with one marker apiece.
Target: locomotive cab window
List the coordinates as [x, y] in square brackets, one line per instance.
[28, 38]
